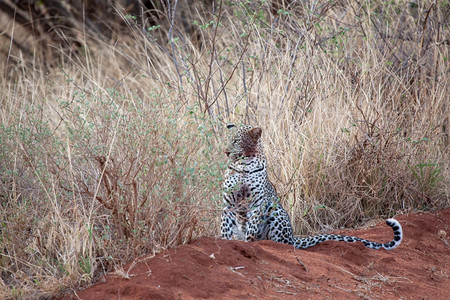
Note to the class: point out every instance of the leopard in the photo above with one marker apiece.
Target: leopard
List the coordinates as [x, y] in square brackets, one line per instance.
[252, 209]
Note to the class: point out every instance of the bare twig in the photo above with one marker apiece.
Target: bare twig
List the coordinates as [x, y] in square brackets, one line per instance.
[303, 265]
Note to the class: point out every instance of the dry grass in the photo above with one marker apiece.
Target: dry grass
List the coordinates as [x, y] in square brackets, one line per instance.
[115, 150]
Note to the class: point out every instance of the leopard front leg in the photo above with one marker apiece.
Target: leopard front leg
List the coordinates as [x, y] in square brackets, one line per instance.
[254, 220]
[228, 223]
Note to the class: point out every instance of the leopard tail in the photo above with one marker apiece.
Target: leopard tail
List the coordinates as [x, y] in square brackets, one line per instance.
[306, 242]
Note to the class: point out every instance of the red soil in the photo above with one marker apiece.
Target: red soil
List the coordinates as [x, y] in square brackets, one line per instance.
[212, 268]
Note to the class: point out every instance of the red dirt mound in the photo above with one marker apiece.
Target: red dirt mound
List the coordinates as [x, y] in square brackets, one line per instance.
[218, 269]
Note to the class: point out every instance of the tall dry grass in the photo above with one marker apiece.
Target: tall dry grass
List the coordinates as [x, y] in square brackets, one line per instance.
[115, 151]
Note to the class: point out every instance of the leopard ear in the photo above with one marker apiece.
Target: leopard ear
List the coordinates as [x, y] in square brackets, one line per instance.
[229, 126]
[255, 133]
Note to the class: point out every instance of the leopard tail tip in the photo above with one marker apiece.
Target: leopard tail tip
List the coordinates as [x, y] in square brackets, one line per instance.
[398, 234]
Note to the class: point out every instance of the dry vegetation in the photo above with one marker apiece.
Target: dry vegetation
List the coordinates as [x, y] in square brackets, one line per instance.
[112, 126]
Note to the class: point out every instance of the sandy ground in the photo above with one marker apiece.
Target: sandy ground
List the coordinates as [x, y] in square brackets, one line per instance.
[216, 269]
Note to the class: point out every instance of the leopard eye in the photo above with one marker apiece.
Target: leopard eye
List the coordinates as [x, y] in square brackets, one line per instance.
[229, 126]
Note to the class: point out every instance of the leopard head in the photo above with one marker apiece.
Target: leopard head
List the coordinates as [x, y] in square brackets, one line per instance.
[243, 142]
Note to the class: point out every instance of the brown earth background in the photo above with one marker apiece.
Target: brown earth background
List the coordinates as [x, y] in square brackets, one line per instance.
[217, 269]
